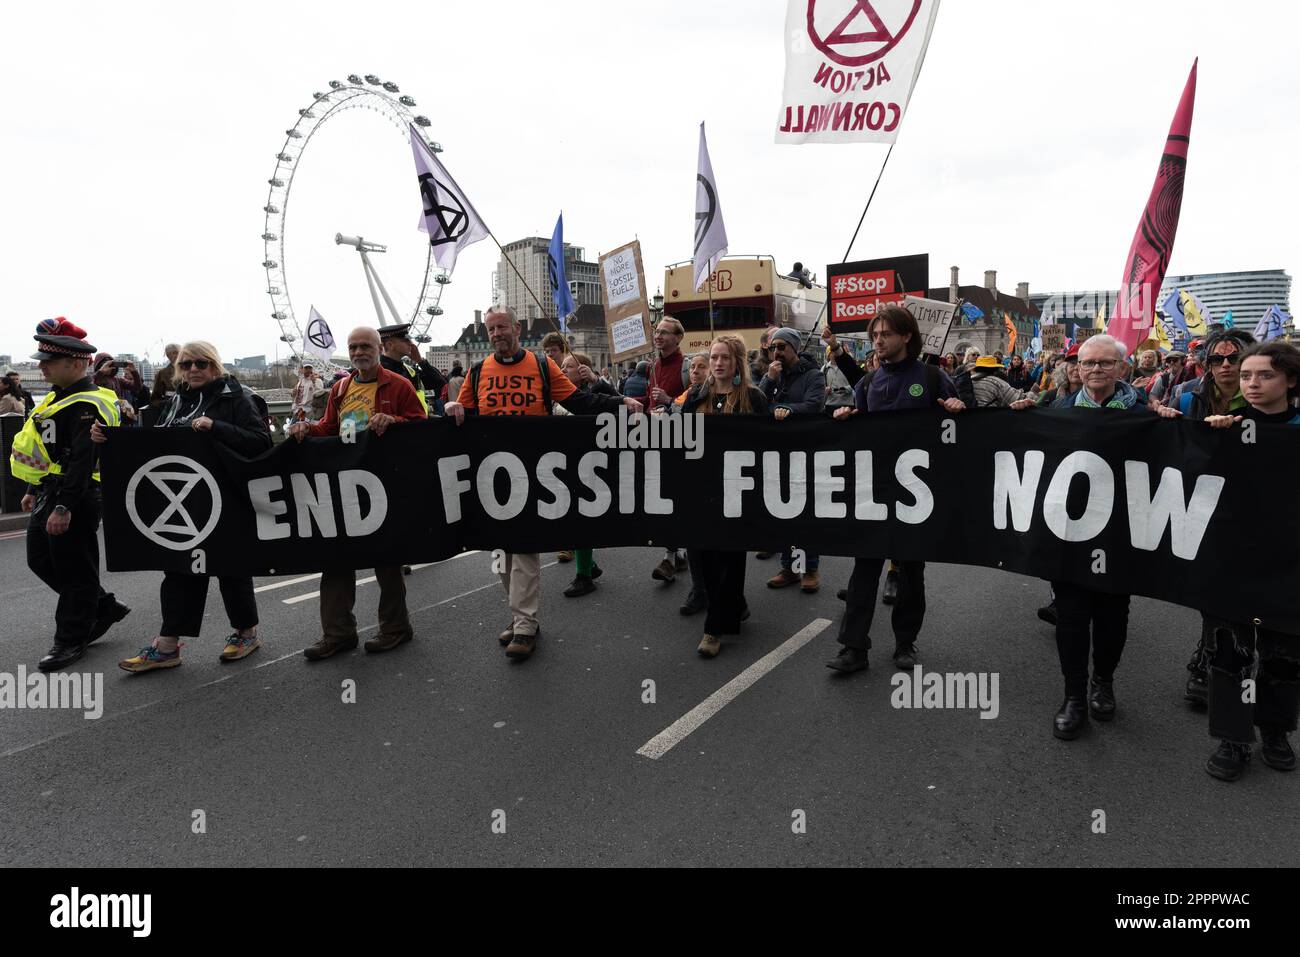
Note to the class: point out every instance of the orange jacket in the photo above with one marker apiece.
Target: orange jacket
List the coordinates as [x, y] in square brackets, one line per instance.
[395, 396]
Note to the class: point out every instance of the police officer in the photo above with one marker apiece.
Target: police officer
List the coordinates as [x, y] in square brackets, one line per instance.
[396, 357]
[54, 455]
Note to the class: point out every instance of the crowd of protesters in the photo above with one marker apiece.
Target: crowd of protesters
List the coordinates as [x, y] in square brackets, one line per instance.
[1221, 382]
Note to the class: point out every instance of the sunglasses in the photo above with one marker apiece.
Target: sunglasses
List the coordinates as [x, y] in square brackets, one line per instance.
[1231, 359]
[188, 364]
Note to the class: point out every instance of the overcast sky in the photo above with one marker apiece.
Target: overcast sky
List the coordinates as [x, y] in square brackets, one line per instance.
[138, 139]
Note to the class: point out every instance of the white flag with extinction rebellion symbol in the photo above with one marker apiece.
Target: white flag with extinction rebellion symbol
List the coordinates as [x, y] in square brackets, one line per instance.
[849, 68]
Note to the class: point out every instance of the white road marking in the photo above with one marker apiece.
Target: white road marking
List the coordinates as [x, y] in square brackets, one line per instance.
[679, 730]
[285, 584]
[360, 581]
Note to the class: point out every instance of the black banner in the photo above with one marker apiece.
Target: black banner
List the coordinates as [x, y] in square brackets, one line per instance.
[1117, 501]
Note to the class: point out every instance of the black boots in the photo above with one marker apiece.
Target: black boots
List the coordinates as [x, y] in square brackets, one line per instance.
[1101, 699]
[1072, 717]
[1276, 750]
[1229, 762]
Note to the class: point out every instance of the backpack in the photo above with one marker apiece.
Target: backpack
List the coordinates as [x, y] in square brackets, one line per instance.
[543, 368]
[961, 382]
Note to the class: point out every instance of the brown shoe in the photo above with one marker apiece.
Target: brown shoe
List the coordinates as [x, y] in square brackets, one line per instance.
[521, 646]
[709, 646]
[811, 582]
[388, 642]
[783, 579]
[506, 635]
[665, 571]
[564, 556]
[328, 647]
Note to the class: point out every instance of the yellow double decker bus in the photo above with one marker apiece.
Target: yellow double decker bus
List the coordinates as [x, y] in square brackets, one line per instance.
[749, 294]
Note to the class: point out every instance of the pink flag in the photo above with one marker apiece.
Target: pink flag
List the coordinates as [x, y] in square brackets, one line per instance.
[1148, 259]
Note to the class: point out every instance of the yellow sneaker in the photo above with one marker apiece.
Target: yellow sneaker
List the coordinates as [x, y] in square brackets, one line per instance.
[150, 659]
[240, 647]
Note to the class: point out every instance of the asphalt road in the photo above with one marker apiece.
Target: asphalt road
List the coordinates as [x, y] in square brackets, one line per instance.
[448, 736]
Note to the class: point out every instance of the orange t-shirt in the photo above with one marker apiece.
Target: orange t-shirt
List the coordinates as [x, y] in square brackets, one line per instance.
[513, 388]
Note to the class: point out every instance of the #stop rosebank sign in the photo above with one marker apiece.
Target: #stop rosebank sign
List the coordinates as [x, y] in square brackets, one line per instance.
[857, 291]
[850, 66]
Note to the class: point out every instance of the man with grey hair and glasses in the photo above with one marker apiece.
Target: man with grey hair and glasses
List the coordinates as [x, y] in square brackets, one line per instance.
[1090, 619]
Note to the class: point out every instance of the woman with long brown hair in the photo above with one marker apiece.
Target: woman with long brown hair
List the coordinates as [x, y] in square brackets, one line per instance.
[726, 390]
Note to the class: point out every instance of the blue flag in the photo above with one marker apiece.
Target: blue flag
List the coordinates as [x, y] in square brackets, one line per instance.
[1228, 321]
[564, 307]
[1173, 310]
[972, 312]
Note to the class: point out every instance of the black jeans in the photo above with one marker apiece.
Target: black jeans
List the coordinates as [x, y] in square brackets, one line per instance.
[182, 599]
[697, 576]
[860, 605]
[69, 564]
[724, 582]
[1088, 619]
[1232, 650]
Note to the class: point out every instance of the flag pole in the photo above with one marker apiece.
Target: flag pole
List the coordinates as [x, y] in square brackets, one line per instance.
[862, 219]
[709, 283]
[869, 199]
[524, 281]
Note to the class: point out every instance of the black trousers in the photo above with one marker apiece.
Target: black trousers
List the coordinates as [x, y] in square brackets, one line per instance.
[1232, 650]
[183, 597]
[724, 582]
[69, 565]
[860, 606]
[1088, 619]
[697, 575]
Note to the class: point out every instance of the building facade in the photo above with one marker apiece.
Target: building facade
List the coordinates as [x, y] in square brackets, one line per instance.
[988, 334]
[1247, 294]
[531, 257]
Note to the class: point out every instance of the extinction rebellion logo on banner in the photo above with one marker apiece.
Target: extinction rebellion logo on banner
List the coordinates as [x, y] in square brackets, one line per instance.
[174, 502]
[850, 67]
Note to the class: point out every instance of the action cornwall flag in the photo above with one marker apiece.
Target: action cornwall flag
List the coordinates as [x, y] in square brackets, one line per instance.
[710, 233]
[564, 307]
[449, 218]
[318, 339]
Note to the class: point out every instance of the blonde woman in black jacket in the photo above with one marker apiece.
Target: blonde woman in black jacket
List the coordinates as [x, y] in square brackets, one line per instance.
[209, 401]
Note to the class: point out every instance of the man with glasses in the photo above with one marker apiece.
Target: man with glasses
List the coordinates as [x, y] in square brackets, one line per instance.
[1174, 375]
[372, 400]
[1088, 619]
[668, 378]
[794, 383]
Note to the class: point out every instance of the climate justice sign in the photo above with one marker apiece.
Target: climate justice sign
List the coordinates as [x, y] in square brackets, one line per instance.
[1120, 502]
